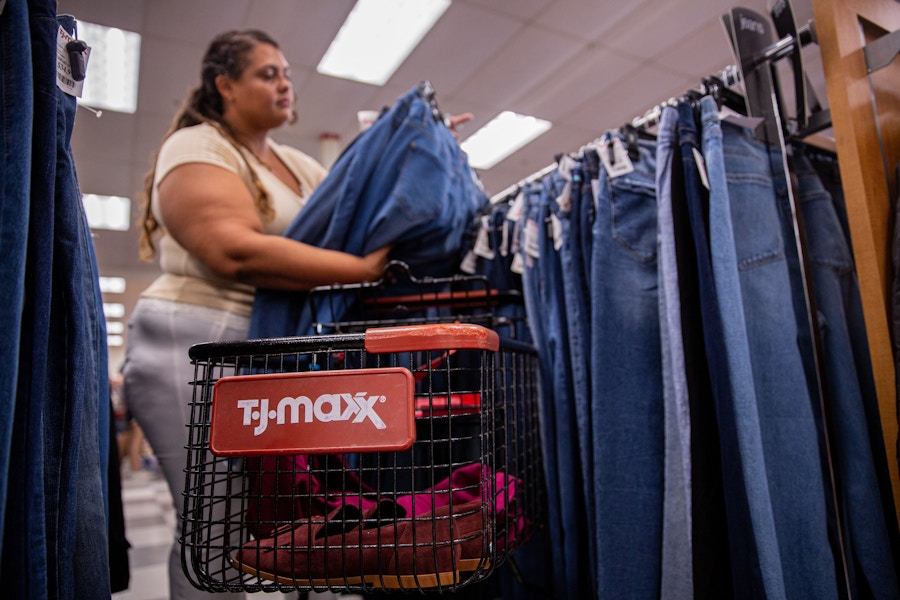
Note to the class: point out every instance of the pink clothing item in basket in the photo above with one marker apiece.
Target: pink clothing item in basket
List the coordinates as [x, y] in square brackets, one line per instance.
[284, 490]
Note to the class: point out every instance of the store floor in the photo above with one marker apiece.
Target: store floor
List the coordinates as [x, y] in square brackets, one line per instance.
[149, 525]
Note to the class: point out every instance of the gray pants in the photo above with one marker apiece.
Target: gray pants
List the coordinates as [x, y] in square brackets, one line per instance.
[157, 376]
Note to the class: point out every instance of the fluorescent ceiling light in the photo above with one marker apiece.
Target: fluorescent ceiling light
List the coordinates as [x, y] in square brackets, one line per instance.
[107, 212]
[113, 310]
[112, 71]
[377, 37]
[115, 340]
[503, 135]
[112, 285]
[115, 327]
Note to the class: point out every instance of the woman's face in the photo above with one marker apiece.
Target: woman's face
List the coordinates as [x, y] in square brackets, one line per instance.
[263, 96]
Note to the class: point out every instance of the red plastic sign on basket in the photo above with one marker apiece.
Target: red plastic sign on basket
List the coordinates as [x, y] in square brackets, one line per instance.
[308, 413]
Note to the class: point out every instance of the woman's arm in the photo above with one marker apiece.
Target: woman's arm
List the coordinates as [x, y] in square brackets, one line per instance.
[209, 211]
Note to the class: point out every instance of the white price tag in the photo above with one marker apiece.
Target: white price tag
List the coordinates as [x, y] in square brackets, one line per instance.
[556, 230]
[64, 79]
[482, 246]
[565, 166]
[565, 198]
[532, 239]
[517, 266]
[701, 167]
[504, 238]
[469, 263]
[619, 163]
[517, 209]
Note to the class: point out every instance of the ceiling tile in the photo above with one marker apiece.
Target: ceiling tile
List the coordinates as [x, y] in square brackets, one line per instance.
[582, 77]
[532, 54]
[169, 70]
[647, 32]
[587, 20]
[523, 10]
[621, 103]
[456, 46]
[303, 28]
[196, 21]
[126, 14]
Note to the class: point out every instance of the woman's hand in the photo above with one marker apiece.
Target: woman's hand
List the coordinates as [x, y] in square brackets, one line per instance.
[455, 121]
[376, 262]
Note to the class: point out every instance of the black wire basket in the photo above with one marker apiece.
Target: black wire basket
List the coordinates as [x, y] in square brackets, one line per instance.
[399, 458]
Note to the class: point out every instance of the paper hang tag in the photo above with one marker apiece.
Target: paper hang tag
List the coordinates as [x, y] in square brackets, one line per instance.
[532, 239]
[64, 77]
[701, 167]
[615, 158]
[517, 266]
[517, 209]
[504, 238]
[565, 166]
[469, 263]
[556, 232]
[565, 198]
[482, 245]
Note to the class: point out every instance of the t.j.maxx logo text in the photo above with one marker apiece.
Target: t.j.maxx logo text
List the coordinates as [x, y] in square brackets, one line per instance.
[356, 408]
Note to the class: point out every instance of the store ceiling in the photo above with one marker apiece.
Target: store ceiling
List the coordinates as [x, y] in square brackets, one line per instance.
[585, 65]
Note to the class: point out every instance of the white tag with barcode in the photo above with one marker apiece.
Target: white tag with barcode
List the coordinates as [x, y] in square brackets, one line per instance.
[619, 163]
[64, 79]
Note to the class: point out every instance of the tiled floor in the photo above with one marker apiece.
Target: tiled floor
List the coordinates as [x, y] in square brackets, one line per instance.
[149, 527]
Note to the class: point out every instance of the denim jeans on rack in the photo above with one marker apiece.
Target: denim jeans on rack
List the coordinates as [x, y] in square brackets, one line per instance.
[536, 309]
[754, 287]
[626, 391]
[16, 119]
[405, 182]
[870, 533]
[577, 309]
[560, 333]
[676, 573]
[720, 522]
[85, 387]
[55, 526]
[590, 164]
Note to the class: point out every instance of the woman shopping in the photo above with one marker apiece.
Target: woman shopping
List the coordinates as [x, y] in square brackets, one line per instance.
[217, 200]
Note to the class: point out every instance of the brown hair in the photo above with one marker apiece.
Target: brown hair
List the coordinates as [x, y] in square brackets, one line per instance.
[227, 55]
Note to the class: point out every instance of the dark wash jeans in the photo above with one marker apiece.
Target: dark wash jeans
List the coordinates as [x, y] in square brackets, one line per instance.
[16, 116]
[55, 519]
[870, 525]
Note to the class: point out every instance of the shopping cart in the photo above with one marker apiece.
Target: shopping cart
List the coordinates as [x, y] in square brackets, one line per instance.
[404, 457]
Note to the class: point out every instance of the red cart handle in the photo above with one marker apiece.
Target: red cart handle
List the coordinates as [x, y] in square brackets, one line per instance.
[446, 336]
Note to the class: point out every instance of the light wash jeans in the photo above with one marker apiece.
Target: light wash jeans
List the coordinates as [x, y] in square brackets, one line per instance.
[627, 388]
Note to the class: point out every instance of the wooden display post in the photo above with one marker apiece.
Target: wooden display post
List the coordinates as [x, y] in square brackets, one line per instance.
[865, 114]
